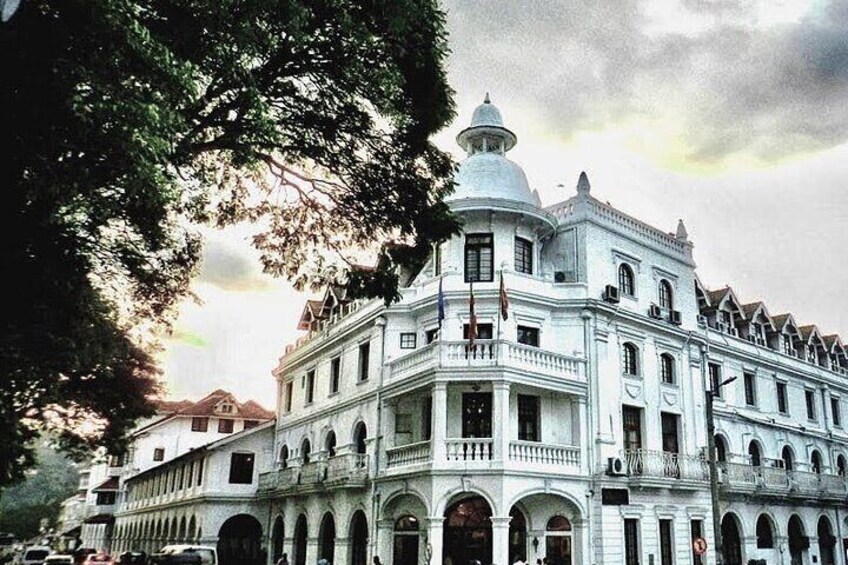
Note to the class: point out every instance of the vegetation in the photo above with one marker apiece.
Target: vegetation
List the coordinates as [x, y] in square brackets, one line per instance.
[126, 122]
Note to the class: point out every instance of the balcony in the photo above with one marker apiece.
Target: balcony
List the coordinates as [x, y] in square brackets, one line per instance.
[486, 353]
[342, 471]
[463, 453]
[777, 482]
[666, 469]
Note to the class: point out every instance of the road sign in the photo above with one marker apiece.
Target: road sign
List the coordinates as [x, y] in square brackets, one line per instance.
[699, 545]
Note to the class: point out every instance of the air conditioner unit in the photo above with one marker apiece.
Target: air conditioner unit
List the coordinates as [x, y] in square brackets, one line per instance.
[702, 321]
[674, 317]
[655, 312]
[611, 294]
[559, 276]
[615, 467]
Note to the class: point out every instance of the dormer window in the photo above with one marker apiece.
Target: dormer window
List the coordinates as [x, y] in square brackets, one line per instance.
[626, 285]
[665, 295]
[787, 345]
[226, 408]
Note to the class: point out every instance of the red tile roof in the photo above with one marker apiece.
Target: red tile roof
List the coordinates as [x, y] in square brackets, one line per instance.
[206, 407]
[171, 406]
[109, 484]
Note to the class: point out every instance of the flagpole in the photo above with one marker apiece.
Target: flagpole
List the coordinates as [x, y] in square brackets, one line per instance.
[500, 306]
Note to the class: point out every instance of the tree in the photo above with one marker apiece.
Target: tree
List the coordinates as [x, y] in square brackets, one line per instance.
[130, 121]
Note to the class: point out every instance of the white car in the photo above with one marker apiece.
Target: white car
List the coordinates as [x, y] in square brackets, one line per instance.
[208, 554]
[59, 559]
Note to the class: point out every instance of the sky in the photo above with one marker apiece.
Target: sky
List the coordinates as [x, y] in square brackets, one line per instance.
[729, 114]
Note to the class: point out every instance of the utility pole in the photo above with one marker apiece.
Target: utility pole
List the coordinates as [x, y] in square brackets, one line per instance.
[711, 457]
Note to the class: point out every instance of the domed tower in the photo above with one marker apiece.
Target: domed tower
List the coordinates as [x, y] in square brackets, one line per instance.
[494, 199]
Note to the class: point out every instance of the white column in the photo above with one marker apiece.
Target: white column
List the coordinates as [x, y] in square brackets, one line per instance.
[435, 537]
[385, 541]
[500, 541]
[342, 551]
[440, 424]
[311, 550]
[500, 429]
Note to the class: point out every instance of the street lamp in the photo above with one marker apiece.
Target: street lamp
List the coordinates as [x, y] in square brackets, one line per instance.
[711, 455]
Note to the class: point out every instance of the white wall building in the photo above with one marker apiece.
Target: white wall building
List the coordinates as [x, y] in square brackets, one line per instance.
[572, 430]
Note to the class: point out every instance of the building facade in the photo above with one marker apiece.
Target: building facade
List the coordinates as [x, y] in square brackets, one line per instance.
[574, 426]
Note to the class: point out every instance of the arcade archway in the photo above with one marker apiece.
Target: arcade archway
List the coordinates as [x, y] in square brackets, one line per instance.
[468, 532]
[240, 541]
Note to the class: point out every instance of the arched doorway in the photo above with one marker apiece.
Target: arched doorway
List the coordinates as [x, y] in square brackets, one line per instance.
[827, 541]
[755, 455]
[277, 536]
[468, 532]
[360, 434]
[239, 541]
[798, 540]
[299, 541]
[765, 533]
[327, 538]
[358, 539]
[788, 458]
[305, 452]
[517, 535]
[731, 540]
[558, 541]
[405, 541]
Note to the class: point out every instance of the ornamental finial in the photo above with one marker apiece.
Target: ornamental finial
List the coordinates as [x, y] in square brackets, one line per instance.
[583, 186]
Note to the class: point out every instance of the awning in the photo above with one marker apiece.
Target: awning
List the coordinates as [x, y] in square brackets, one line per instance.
[100, 519]
[110, 484]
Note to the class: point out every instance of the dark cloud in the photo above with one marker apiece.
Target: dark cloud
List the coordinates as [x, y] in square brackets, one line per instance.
[768, 91]
[230, 269]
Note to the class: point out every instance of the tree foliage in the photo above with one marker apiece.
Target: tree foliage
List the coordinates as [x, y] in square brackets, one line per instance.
[127, 121]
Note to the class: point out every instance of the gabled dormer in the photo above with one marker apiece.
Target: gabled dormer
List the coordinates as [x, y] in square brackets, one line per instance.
[724, 312]
[757, 324]
[836, 355]
[311, 316]
[813, 346]
[787, 336]
[227, 406]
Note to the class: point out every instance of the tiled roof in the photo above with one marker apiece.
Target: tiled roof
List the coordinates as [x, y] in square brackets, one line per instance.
[205, 407]
[749, 309]
[171, 406]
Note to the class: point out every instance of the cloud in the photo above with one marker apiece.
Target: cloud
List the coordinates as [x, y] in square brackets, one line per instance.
[230, 268]
[717, 76]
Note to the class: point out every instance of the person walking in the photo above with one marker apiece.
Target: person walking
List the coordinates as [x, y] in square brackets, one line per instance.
[283, 560]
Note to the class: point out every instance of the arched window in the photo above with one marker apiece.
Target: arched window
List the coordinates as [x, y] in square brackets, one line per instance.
[788, 459]
[666, 295]
[816, 462]
[359, 435]
[840, 466]
[330, 444]
[305, 449]
[558, 524]
[284, 457]
[765, 533]
[629, 359]
[625, 280]
[754, 454]
[667, 368]
[721, 449]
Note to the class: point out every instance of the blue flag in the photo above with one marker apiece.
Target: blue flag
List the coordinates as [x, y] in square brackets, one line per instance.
[441, 303]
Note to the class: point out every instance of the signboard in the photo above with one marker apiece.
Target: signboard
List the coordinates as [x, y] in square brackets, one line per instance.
[699, 546]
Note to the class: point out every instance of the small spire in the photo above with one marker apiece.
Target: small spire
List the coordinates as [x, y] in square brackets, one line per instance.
[583, 186]
[486, 100]
[682, 234]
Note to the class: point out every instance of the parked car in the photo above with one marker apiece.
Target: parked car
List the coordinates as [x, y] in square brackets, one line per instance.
[99, 558]
[208, 555]
[132, 558]
[35, 555]
[59, 559]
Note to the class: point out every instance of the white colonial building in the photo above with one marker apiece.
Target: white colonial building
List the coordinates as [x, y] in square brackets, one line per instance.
[572, 429]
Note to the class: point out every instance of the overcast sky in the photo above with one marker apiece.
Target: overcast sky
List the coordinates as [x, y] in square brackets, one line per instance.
[732, 115]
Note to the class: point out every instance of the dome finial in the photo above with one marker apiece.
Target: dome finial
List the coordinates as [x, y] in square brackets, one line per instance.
[583, 186]
[487, 100]
[682, 234]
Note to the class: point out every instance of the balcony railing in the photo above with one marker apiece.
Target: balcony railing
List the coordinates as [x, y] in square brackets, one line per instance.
[779, 482]
[410, 454]
[665, 465]
[486, 353]
[350, 468]
[469, 449]
[544, 454]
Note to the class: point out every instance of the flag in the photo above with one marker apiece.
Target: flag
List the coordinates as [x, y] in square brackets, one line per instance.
[503, 299]
[441, 303]
[472, 319]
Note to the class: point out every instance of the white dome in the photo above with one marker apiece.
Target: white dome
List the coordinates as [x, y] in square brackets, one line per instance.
[491, 175]
[486, 114]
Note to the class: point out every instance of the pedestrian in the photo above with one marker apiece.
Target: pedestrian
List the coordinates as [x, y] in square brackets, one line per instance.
[519, 560]
[283, 560]
[323, 561]
[377, 560]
